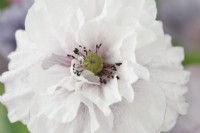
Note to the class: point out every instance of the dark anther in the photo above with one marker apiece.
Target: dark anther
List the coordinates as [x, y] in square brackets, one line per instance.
[98, 46]
[118, 64]
[76, 51]
[114, 68]
[71, 56]
[86, 52]
[117, 77]
[78, 73]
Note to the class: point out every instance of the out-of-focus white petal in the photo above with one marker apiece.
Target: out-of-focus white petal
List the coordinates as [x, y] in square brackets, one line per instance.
[168, 75]
[141, 116]
[172, 57]
[106, 122]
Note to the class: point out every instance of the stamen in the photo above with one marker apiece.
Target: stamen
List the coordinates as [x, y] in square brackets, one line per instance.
[91, 61]
[71, 56]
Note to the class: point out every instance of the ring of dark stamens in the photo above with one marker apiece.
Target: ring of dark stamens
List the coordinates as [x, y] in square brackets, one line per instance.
[108, 72]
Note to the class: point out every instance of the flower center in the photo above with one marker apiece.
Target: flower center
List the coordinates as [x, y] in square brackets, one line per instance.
[94, 63]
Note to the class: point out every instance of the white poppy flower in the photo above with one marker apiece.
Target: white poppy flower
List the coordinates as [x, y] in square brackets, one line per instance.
[95, 66]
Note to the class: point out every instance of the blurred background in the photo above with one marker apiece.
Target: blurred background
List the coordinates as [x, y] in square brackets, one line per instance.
[181, 19]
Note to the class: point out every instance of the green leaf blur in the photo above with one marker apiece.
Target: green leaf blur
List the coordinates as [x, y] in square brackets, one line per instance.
[3, 4]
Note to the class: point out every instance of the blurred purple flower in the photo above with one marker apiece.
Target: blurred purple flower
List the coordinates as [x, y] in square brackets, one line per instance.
[14, 1]
[181, 19]
[11, 20]
[191, 122]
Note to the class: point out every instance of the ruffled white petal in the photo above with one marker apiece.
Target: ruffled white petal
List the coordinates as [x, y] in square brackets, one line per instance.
[141, 71]
[18, 96]
[50, 98]
[62, 106]
[48, 78]
[126, 90]
[25, 48]
[111, 93]
[39, 11]
[82, 123]
[41, 124]
[128, 47]
[127, 73]
[94, 94]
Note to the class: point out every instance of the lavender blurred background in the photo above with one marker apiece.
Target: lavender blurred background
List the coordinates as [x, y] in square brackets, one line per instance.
[181, 19]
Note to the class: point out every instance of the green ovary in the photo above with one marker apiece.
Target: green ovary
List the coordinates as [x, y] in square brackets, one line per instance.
[93, 63]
